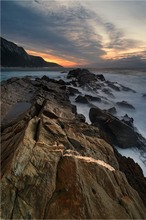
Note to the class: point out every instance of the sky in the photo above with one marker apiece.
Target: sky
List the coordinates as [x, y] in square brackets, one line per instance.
[94, 33]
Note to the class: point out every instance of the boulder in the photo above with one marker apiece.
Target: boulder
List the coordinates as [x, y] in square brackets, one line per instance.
[81, 99]
[133, 173]
[125, 104]
[93, 98]
[100, 77]
[108, 92]
[114, 86]
[128, 120]
[115, 131]
[73, 91]
[112, 111]
[83, 76]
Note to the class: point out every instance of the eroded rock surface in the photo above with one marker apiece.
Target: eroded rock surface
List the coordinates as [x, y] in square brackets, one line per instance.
[54, 166]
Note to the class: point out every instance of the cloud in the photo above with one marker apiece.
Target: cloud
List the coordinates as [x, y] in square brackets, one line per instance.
[61, 28]
[57, 28]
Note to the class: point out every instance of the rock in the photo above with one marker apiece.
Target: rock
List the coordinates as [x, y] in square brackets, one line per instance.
[115, 131]
[55, 166]
[144, 95]
[129, 121]
[114, 85]
[125, 104]
[81, 117]
[93, 98]
[73, 91]
[83, 76]
[108, 92]
[81, 99]
[100, 77]
[124, 88]
[112, 111]
[133, 173]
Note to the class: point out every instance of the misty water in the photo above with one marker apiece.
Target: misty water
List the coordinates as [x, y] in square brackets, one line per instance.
[135, 80]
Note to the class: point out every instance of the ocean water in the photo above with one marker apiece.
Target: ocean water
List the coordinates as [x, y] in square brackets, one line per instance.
[135, 80]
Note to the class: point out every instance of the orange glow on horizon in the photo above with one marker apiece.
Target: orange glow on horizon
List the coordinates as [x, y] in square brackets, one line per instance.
[116, 54]
[53, 59]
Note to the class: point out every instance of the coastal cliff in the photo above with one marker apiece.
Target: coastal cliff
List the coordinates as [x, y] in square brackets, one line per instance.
[15, 56]
[57, 166]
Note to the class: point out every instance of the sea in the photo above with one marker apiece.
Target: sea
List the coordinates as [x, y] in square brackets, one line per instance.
[134, 79]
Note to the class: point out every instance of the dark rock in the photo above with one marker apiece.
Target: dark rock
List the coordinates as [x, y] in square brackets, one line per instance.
[127, 120]
[93, 98]
[125, 104]
[124, 88]
[144, 95]
[113, 85]
[81, 99]
[133, 173]
[61, 82]
[100, 77]
[112, 110]
[81, 117]
[63, 87]
[83, 76]
[108, 92]
[115, 131]
[73, 91]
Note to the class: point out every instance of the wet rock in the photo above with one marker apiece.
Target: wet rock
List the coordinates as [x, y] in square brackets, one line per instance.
[112, 111]
[133, 173]
[124, 88]
[81, 117]
[125, 104]
[83, 76]
[115, 131]
[144, 95]
[108, 92]
[73, 91]
[93, 98]
[128, 120]
[113, 85]
[100, 77]
[81, 99]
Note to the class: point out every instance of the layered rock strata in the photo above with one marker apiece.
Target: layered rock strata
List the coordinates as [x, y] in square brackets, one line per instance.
[54, 165]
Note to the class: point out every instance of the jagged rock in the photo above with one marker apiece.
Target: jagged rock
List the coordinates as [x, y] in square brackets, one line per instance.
[55, 167]
[112, 111]
[81, 117]
[115, 131]
[133, 173]
[113, 85]
[108, 92]
[93, 98]
[129, 121]
[125, 104]
[73, 91]
[101, 77]
[82, 99]
[83, 76]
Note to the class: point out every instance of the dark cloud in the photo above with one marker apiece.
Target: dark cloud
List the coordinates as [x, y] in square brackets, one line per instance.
[60, 30]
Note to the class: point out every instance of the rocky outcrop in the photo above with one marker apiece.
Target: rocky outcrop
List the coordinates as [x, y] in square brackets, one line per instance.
[56, 166]
[15, 56]
[125, 104]
[114, 131]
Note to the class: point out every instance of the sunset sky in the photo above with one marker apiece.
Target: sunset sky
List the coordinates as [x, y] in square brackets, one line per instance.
[78, 33]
